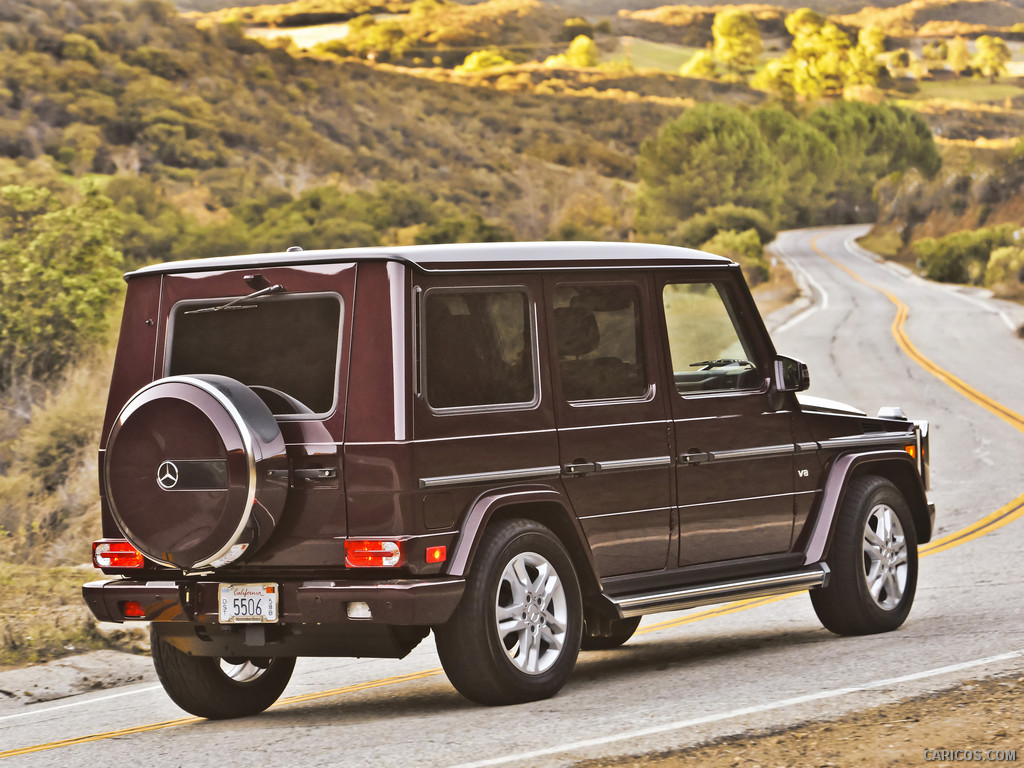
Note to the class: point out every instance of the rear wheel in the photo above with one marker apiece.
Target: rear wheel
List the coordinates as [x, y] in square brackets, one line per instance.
[217, 688]
[873, 562]
[516, 633]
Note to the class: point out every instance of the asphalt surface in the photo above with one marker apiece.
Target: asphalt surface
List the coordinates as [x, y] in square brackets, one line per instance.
[685, 677]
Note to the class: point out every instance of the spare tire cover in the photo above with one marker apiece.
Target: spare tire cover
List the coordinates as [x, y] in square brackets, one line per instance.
[190, 472]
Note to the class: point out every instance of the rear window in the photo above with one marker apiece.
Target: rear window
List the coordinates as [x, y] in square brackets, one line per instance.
[285, 348]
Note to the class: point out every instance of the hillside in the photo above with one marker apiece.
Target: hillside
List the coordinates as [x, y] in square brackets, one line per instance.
[216, 113]
[941, 18]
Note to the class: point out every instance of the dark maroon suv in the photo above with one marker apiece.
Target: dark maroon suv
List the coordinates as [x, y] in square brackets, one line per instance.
[522, 447]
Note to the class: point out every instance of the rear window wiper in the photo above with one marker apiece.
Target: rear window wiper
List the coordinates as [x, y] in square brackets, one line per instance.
[237, 303]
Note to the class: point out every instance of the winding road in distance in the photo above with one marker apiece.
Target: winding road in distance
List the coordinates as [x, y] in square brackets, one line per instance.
[873, 335]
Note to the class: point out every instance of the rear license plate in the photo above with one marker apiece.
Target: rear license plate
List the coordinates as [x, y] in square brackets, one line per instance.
[248, 603]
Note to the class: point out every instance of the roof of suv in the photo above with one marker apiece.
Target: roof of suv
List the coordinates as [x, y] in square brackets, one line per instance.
[467, 257]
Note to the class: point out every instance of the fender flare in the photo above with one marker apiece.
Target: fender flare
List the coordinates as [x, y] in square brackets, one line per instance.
[894, 465]
[493, 502]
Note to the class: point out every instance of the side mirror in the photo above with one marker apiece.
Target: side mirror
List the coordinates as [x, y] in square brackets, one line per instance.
[791, 375]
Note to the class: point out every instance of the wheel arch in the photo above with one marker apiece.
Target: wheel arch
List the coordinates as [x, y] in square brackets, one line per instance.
[897, 467]
[543, 505]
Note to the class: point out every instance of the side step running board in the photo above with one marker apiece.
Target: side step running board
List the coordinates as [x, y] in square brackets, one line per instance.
[721, 592]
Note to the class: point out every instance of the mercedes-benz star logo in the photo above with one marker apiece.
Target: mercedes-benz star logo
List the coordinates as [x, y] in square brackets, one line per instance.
[167, 475]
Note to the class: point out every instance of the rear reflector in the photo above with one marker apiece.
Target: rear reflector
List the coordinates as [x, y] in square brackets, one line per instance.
[115, 553]
[132, 609]
[437, 554]
[373, 553]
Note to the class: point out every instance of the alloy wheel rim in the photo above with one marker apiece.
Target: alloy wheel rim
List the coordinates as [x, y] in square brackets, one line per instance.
[531, 613]
[244, 672]
[886, 560]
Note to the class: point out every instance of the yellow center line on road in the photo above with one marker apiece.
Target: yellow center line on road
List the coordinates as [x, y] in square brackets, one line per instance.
[1001, 516]
[193, 720]
[997, 519]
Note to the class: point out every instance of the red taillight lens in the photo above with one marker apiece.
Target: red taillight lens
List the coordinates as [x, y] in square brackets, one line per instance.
[437, 554]
[132, 609]
[374, 553]
[115, 553]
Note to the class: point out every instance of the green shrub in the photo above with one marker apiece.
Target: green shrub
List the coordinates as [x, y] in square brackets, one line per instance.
[1005, 269]
[963, 256]
[744, 248]
[729, 217]
[478, 61]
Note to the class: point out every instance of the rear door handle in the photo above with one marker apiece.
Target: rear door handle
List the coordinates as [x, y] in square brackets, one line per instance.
[579, 468]
[696, 457]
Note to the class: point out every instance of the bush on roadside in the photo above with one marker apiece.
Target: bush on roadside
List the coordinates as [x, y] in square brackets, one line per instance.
[745, 249]
[962, 257]
[1005, 271]
[704, 226]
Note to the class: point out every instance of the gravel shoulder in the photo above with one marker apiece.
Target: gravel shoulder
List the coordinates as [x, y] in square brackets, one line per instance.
[976, 721]
[71, 676]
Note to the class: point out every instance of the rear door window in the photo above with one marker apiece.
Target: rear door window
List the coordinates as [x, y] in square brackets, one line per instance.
[478, 348]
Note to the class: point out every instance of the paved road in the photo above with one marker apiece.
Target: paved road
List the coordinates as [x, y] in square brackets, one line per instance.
[694, 675]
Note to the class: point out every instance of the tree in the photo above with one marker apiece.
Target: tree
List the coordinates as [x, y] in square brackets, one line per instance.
[737, 40]
[59, 274]
[935, 54]
[582, 52]
[809, 165]
[862, 66]
[816, 64]
[991, 57]
[701, 64]
[957, 56]
[710, 155]
[872, 141]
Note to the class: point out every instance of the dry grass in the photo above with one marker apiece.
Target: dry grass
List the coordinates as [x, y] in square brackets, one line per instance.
[43, 617]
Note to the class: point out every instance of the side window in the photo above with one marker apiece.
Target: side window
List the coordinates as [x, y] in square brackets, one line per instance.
[478, 348]
[600, 344]
[708, 352]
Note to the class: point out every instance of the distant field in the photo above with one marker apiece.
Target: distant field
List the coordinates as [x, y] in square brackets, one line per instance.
[304, 37]
[648, 54]
[968, 89]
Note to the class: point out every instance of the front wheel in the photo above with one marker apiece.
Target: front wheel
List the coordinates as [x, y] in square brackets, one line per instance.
[217, 688]
[516, 633]
[873, 562]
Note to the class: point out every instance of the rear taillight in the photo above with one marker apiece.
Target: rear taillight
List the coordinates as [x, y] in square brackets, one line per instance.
[115, 553]
[374, 553]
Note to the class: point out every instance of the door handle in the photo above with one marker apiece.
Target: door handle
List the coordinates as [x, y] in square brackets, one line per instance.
[580, 467]
[694, 457]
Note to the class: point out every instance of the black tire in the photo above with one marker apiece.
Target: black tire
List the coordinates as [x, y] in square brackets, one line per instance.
[216, 688]
[490, 662]
[613, 635]
[873, 562]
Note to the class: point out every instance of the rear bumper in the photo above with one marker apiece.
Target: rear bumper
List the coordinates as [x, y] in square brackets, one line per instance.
[400, 602]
